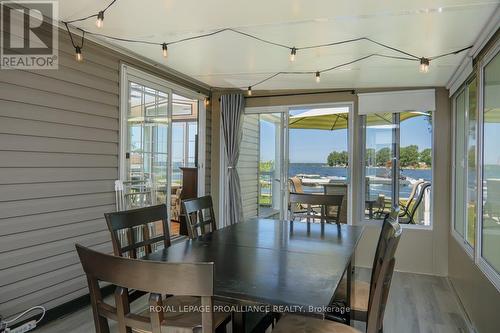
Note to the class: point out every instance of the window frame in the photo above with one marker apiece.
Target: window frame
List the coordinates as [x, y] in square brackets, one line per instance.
[481, 262]
[462, 240]
[361, 211]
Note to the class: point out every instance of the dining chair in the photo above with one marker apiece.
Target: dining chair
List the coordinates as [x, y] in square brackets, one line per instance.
[156, 278]
[140, 231]
[198, 222]
[362, 292]
[338, 189]
[297, 200]
[382, 272]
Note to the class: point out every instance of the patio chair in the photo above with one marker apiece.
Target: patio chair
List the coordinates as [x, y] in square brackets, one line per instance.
[338, 189]
[409, 216]
[320, 200]
[404, 208]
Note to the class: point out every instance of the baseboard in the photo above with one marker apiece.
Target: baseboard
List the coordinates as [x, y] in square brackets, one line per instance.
[461, 307]
[66, 308]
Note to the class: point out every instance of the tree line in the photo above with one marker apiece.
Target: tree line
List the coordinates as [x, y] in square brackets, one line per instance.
[409, 156]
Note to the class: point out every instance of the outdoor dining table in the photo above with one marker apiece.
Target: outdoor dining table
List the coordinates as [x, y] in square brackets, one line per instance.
[282, 264]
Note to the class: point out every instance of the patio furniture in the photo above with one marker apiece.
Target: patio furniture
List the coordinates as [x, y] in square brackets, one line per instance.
[409, 216]
[295, 185]
[134, 194]
[269, 262]
[323, 201]
[156, 278]
[383, 268]
[197, 220]
[337, 189]
[404, 208]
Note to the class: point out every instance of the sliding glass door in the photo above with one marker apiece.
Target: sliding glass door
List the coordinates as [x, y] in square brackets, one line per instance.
[285, 149]
[159, 140]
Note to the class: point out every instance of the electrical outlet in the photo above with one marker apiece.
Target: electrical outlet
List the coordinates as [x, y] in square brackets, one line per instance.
[26, 327]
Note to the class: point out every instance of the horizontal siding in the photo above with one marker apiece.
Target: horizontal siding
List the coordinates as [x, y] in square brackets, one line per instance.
[59, 144]
[59, 137]
[248, 163]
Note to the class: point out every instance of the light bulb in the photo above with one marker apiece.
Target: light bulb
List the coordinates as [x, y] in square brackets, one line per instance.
[100, 19]
[249, 91]
[424, 65]
[164, 49]
[318, 78]
[293, 53]
[207, 101]
[78, 53]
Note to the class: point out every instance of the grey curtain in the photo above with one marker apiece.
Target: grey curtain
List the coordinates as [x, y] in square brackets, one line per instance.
[232, 107]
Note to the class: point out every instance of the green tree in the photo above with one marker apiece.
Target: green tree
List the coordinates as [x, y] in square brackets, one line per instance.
[336, 158]
[426, 156]
[409, 156]
[383, 156]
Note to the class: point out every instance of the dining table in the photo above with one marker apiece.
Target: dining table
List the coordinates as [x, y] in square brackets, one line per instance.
[287, 265]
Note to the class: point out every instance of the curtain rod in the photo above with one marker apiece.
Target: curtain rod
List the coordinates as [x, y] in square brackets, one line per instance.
[352, 91]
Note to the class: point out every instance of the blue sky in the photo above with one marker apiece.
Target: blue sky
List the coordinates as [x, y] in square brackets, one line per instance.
[313, 146]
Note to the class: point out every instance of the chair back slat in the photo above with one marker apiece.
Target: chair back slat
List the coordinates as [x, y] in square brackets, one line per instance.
[141, 228]
[198, 223]
[157, 278]
[323, 200]
[383, 267]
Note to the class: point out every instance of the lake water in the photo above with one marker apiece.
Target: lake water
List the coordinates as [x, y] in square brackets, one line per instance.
[324, 170]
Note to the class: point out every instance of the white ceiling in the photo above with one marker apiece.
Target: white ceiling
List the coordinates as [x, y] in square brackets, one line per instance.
[425, 28]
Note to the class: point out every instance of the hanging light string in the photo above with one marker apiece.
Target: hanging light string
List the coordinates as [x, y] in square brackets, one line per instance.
[78, 48]
[93, 15]
[332, 68]
[407, 56]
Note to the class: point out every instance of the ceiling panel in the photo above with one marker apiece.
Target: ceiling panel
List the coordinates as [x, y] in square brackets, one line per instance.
[423, 28]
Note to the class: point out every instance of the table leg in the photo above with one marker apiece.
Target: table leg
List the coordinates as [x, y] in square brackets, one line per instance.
[238, 319]
[349, 274]
[370, 210]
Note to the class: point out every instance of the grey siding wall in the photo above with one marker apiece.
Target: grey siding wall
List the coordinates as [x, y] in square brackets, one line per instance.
[58, 162]
[248, 164]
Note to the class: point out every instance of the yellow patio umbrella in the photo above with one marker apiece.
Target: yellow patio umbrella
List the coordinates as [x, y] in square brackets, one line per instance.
[337, 118]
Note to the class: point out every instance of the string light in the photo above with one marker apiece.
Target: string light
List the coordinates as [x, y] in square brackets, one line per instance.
[100, 19]
[78, 54]
[424, 62]
[424, 65]
[164, 49]
[293, 53]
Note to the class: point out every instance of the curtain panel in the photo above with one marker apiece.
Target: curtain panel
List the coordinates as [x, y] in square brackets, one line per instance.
[232, 109]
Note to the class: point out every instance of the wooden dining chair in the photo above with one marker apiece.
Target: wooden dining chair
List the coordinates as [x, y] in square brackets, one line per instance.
[381, 279]
[198, 222]
[362, 292]
[324, 201]
[156, 278]
[138, 231]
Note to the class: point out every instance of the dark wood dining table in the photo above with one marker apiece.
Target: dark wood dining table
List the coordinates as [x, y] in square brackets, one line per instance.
[292, 265]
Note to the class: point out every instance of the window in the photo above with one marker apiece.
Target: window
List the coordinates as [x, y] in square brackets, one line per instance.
[465, 163]
[490, 226]
[397, 152]
[158, 135]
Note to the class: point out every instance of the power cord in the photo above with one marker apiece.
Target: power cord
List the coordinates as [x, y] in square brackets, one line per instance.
[4, 325]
